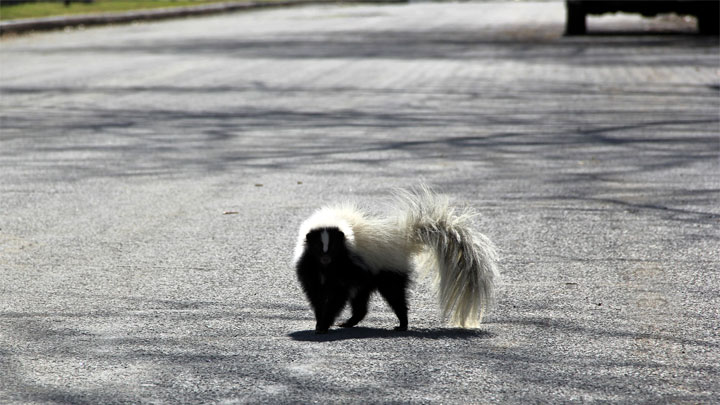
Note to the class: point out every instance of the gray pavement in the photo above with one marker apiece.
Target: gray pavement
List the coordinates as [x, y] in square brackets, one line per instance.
[126, 278]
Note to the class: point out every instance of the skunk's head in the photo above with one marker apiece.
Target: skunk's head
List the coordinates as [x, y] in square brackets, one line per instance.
[336, 221]
[325, 245]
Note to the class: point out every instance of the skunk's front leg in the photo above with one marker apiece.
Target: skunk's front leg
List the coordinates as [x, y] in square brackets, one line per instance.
[329, 310]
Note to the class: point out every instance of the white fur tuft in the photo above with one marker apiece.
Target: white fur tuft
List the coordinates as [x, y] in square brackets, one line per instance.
[465, 260]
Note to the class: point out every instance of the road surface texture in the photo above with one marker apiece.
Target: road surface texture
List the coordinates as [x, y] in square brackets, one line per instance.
[153, 177]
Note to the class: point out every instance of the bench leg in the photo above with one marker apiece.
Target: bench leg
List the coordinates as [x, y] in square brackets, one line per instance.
[575, 22]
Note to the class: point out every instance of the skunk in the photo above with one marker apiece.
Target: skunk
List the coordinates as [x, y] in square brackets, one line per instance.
[345, 254]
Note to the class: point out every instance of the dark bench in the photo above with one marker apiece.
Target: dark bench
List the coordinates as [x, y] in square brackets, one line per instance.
[707, 12]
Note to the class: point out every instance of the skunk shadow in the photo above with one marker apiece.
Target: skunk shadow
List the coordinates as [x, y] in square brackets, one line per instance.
[377, 333]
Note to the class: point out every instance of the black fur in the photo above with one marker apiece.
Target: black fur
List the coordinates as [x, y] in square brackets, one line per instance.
[331, 279]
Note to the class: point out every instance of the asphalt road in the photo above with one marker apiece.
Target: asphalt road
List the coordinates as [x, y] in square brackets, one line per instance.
[152, 177]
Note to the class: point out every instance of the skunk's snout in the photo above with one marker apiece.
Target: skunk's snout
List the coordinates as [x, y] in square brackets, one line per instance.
[325, 260]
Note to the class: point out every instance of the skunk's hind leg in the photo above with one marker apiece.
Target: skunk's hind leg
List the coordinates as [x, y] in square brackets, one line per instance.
[393, 287]
[359, 304]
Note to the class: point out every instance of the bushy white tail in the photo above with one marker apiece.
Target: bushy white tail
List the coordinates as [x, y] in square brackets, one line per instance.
[465, 260]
